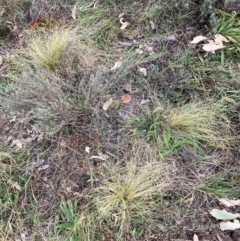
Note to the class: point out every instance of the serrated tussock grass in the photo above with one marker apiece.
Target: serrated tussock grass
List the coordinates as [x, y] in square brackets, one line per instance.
[202, 123]
[127, 194]
[46, 49]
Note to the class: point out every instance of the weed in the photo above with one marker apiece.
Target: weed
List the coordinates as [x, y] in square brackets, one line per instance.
[127, 194]
[47, 49]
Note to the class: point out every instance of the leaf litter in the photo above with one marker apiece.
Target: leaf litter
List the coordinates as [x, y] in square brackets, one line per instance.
[107, 104]
[230, 203]
[212, 45]
[223, 214]
[126, 98]
[100, 156]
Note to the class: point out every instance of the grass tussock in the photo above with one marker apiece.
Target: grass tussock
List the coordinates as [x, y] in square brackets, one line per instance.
[61, 50]
[47, 49]
[200, 122]
[128, 194]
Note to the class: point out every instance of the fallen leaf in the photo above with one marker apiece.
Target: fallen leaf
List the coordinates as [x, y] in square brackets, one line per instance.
[230, 225]
[139, 51]
[128, 87]
[100, 156]
[44, 167]
[143, 71]
[13, 119]
[144, 102]
[212, 47]
[198, 39]
[152, 24]
[171, 38]
[126, 98]
[107, 104]
[223, 214]
[229, 203]
[149, 49]
[87, 149]
[117, 65]
[74, 11]
[195, 237]
[68, 189]
[16, 186]
[121, 15]
[219, 39]
[216, 44]
[124, 24]
[23, 236]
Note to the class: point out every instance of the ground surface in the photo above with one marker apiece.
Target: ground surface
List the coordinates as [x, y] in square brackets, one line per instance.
[123, 132]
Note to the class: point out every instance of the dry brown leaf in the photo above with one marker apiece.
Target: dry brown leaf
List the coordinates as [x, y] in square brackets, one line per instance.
[152, 24]
[212, 47]
[100, 156]
[149, 49]
[87, 149]
[223, 214]
[215, 44]
[195, 237]
[44, 167]
[143, 71]
[144, 102]
[229, 203]
[198, 39]
[121, 15]
[139, 51]
[107, 104]
[124, 24]
[23, 236]
[230, 225]
[117, 65]
[16, 186]
[219, 39]
[126, 98]
[128, 87]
